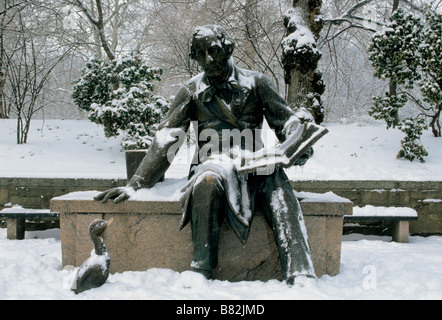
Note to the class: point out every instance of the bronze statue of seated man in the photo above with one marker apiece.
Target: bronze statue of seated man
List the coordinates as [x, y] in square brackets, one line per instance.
[221, 100]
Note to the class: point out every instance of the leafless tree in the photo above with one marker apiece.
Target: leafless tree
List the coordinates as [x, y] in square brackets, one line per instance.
[95, 15]
[255, 25]
[161, 30]
[344, 41]
[4, 108]
[7, 12]
[29, 55]
[106, 19]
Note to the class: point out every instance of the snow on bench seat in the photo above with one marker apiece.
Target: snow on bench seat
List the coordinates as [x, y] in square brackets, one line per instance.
[399, 215]
[18, 211]
[370, 212]
[16, 216]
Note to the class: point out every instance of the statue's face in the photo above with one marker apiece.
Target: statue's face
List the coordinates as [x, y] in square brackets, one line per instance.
[210, 55]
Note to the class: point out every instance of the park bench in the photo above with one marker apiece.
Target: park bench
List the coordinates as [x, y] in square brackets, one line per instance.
[16, 217]
[400, 216]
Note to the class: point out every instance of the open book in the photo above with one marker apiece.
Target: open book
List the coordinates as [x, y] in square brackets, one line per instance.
[285, 155]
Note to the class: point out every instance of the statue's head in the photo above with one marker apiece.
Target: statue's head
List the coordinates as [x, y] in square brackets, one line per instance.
[212, 48]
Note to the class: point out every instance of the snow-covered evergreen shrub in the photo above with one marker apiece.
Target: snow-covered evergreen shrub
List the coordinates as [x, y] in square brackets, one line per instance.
[118, 95]
[387, 108]
[394, 50]
[408, 52]
[411, 144]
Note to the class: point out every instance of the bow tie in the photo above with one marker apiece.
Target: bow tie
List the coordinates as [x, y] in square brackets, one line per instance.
[212, 90]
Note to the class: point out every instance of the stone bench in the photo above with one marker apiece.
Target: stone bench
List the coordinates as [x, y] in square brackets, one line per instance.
[400, 216]
[145, 235]
[16, 217]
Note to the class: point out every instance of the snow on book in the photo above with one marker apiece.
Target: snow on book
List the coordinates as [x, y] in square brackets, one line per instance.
[265, 161]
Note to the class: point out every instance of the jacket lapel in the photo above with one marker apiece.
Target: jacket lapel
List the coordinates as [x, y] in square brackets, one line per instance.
[220, 108]
[241, 88]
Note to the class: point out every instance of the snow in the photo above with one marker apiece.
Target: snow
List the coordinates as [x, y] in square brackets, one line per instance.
[60, 149]
[280, 208]
[320, 197]
[220, 166]
[94, 260]
[301, 37]
[368, 152]
[171, 190]
[79, 149]
[16, 208]
[432, 200]
[372, 267]
[168, 190]
[79, 195]
[202, 32]
[369, 210]
[167, 135]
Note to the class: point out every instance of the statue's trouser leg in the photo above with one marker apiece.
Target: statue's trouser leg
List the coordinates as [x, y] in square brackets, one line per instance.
[283, 213]
[208, 205]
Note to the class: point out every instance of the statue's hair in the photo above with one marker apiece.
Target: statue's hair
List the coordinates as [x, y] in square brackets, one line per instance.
[219, 32]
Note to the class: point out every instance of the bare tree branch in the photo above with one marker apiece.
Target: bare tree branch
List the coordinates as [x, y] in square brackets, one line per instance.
[98, 23]
[87, 12]
[349, 15]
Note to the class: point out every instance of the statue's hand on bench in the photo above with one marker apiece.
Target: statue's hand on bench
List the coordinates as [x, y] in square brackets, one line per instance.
[118, 195]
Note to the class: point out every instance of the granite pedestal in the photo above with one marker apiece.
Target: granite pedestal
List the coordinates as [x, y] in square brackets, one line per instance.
[145, 235]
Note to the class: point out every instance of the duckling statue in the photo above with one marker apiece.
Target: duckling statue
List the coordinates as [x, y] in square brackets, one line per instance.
[94, 272]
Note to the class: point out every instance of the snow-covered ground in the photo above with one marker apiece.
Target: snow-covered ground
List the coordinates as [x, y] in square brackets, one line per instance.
[371, 267]
[78, 149]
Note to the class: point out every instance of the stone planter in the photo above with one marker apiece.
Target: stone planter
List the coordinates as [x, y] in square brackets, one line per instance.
[133, 160]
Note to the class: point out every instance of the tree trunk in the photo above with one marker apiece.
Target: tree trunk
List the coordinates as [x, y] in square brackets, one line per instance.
[300, 58]
[250, 12]
[435, 124]
[4, 112]
[100, 26]
[116, 26]
[98, 23]
[392, 86]
[95, 31]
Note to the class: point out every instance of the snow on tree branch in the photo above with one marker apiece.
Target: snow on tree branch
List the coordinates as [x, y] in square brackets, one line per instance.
[350, 16]
[87, 12]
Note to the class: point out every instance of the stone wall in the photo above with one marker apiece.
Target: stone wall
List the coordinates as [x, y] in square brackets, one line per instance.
[425, 197]
[37, 192]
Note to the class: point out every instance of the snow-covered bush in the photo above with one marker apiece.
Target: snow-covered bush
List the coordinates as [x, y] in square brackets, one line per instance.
[119, 95]
[394, 50]
[411, 145]
[408, 52]
[387, 108]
